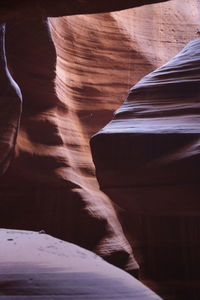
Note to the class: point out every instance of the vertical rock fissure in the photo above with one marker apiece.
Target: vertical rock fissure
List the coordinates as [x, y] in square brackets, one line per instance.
[10, 108]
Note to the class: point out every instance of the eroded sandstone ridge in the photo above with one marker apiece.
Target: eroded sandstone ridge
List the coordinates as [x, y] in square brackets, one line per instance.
[148, 161]
[157, 128]
[51, 184]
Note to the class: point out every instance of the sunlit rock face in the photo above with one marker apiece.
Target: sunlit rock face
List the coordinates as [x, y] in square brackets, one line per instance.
[101, 56]
[148, 161]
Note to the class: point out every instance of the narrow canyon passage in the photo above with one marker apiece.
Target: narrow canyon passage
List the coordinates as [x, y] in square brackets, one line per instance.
[74, 72]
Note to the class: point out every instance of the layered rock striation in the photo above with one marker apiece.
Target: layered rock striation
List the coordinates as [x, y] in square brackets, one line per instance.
[148, 161]
[157, 126]
[51, 184]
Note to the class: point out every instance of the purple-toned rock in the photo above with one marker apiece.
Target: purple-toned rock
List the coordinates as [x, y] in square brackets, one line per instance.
[154, 137]
[34, 265]
[51, 183]
[148, 162]
[10, 108]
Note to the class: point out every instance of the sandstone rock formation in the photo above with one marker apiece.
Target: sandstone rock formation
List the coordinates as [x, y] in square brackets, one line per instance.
[101, 56]
[156, 131]
[51, 183]
[10, 109]
[34, 265]
[148, 161]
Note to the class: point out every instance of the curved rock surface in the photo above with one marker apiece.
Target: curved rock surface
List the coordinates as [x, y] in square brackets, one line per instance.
[148, 161]
[10, 109]
[156, 131]
[101, 56]
[51, 183]
[34, 265]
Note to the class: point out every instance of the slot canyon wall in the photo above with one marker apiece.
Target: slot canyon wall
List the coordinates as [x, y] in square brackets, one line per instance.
[51, 182]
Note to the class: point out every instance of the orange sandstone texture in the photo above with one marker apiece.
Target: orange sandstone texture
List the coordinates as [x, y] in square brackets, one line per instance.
[148, 161]
[51, 183]
[101, 56]
[98, 58]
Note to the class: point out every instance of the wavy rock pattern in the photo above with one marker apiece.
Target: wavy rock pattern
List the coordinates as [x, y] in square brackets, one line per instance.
[148, 161]
[51, 184]
[158, 126]
[98, 58]
[98, 63]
